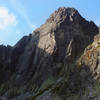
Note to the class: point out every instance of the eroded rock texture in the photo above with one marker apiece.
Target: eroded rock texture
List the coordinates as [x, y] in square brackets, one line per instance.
[51, 51]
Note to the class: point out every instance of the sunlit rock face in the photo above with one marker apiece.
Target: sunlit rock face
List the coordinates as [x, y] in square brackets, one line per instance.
[62, 38]
[65, 34]
[51, 51]
[91, 58]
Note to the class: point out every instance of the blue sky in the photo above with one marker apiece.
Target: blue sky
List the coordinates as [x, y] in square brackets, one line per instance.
[21, 17]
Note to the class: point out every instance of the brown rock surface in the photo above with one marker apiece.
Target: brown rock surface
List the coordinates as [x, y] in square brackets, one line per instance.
[44, 53]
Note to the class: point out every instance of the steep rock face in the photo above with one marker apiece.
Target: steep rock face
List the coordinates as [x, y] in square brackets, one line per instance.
[18, 50]
[66, 27]
[5, 53]
[62, 38]
[91, 58]
[50, 52]
[9, 57]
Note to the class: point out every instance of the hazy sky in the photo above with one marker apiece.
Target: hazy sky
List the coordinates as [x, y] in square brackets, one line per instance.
[21, 17]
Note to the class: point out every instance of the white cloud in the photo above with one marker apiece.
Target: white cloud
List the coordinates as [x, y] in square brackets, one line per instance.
[6, 19]
[23, 12]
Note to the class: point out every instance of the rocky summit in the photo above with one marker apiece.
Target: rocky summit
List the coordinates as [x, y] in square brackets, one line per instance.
[58, 61]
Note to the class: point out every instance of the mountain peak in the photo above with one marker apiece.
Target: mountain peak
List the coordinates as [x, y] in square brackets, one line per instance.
[52, 61]
[67, 10]
[62, 13]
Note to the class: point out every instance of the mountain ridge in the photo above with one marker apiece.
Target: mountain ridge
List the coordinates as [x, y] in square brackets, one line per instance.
[46, 59]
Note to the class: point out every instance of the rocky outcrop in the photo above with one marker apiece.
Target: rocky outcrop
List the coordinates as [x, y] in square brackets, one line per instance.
[62, 38]
[91, 58]
[9, 56]
[50, 52]
[5, 52]
[66, 27]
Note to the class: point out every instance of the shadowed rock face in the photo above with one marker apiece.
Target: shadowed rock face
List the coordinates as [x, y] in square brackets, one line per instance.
[5, 52]
[62, 39]
[69, 32]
